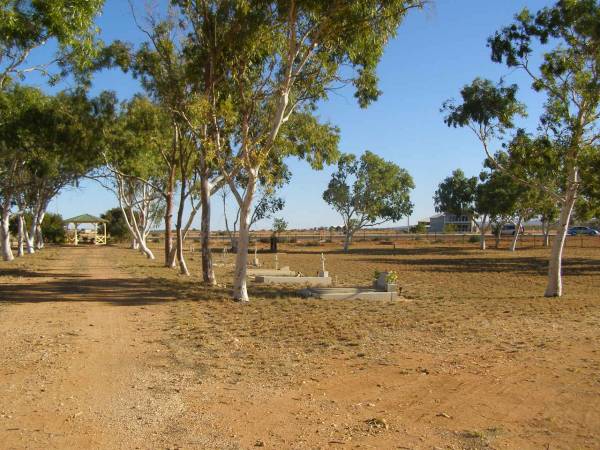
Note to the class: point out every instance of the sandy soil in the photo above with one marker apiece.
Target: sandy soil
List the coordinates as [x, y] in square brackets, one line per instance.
[126, 354]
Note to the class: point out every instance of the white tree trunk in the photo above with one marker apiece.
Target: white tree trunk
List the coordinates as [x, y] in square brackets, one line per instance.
[554, 286]
[348, 241]
[482, 229]
[30, 238]
[240, 291]
[135, 245]
[7, 254]
[143, 247]
[183, 270]
[39, 236]
[513, 244]
[546, 231]
[20, 234]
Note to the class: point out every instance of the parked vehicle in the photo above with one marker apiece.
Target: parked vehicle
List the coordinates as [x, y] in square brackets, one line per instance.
[587, 231]
[510, 228]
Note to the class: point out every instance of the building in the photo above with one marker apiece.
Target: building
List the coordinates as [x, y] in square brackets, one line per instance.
[460, 224]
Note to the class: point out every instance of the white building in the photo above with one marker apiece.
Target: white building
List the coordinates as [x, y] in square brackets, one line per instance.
[461, 224]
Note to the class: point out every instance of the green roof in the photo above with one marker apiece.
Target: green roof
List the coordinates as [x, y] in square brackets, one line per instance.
[85, 218]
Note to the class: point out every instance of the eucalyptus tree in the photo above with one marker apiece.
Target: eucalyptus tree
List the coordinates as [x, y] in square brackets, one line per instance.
[368, 192]
[47, 143]
[566, 35]
[28, 25]
[66, 143]
[456, 195]
[277, 59]
[134, 165]
[266, 202]
[534, 162]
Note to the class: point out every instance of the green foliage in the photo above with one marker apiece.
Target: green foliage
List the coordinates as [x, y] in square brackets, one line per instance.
[26, 25]
[53, 228]
[116, 226]
[392, 277]
[567, 34]
[456, 194]
[369, 191]
[279, 225]
[474, 239]
[487, 108]
[450, 228]
[419, 228]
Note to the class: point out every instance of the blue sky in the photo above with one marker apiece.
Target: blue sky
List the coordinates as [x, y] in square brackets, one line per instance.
[436, 52]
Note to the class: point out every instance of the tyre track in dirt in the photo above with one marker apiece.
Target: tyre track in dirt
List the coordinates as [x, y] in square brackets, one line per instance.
[82, 360]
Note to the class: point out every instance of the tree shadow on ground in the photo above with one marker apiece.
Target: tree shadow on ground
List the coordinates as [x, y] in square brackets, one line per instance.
[25, 273]
[118, 291]
[521, 265]
[399, 251]
[130, 292]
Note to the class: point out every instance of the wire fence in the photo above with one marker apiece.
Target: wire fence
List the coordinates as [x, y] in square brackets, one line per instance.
[387, 237]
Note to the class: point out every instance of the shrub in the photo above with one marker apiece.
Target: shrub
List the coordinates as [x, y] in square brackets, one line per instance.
[53, 228]
[474, 239]
[450, 228]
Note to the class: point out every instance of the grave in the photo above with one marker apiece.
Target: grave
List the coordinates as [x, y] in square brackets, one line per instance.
[276, 272]
[322, 279]
[382, 290]
[255, 261]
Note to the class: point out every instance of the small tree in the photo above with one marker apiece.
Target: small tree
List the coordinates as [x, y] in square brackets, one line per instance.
[117, 226]
[367, 192]
[279, 226]
[568, 75]
[53, 228]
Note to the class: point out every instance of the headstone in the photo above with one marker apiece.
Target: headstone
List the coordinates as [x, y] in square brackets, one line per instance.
[256, 262]
[323, 272]
[381, 283]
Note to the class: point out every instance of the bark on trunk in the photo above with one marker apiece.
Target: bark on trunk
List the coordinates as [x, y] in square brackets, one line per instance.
[482, 244]
[554, 286]
[30, 238]
[39, 236]
[208, 273]
[180, 258]
[7, 254]
[143, 247]
[546, 231]
[20, 234]
[347, 241]
[240, 291]
[183, 270]
[513, 244]
[135, 245]
[169, 219]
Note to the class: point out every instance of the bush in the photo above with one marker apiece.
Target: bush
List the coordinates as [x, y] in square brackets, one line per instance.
[53, 228]
[474, 239]
[450, 228]
[116, 226]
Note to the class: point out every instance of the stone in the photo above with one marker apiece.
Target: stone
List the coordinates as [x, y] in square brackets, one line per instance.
[347, 293]
[303, 281]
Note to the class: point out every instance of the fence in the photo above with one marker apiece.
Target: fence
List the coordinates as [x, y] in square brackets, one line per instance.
[391, 237]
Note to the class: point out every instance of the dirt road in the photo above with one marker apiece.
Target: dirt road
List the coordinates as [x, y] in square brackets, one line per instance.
[81, 357]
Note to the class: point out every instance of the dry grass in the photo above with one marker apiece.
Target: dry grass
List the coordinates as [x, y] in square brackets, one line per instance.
[458, 297]
[474, 357]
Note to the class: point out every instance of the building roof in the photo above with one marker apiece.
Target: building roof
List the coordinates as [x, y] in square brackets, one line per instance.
[85, 218]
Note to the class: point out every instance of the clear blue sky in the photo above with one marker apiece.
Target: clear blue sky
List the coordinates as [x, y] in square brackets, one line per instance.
[436, 52]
